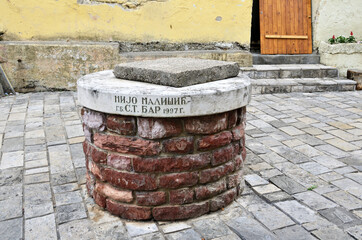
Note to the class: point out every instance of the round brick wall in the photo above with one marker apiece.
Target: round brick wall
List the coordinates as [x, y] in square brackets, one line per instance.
[164, 168]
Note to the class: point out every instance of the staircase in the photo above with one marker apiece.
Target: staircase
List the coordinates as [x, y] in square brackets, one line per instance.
[294, 73]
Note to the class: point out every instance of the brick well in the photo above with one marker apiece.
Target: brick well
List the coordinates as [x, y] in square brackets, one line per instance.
[144, 168]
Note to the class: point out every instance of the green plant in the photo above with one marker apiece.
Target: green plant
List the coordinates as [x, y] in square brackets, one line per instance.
[342, 39]
[332, 40]
[351, 38]
[312, 187]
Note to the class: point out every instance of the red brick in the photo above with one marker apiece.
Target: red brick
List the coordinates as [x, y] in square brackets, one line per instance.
[116, 194]
[238, 162]
[90, 183]
[243, 154]
[213, 174]
[98, 156]
[172, 164]
[155, 128]
[127, 145]
[181, 196]
[93, 119]
[95, 170]
[232, 118]
[237, 149]
[123, 125]
[179, 145]
[223, 155]
[131, 181]
[178, 180]
[128, 211]
[222, 200]
[86, 147]
[214, 141]
[235, 179]
[150, 198]
[120, 162]
[207, 124]
[87, 133]
[99, 199]
[238, 132]
[210, 190]
[170, 213]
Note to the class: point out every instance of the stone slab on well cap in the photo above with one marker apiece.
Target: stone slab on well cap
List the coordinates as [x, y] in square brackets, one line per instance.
[177, 72]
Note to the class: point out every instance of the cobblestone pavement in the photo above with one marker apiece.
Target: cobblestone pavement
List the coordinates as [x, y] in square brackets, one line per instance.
[303, 178]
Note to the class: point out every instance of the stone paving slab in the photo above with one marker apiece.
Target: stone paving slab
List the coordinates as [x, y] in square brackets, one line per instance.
[303, 178]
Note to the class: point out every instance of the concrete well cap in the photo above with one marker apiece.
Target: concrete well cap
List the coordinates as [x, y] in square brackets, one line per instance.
[177, 72]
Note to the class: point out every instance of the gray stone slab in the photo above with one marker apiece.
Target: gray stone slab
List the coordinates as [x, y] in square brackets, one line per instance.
[12, 191]
[11, 176]
[65, 188]
[277, 196]
[297, 211]
[341, 217]
[137, 228]
[267, 214]
[211, 228]
[62, 178]
[314, 168]
[41, 226]
[13, 144]
[174, 227]
[255, 180]
[293, 233]
[67, 198]
[328, 161]
[60, 159]
[249, 229]
[355, 232]
[79, 229]
[12, 159]
[151, 236]
[355, 176]
[185, 234]
[349, 186]
[112, 230]
[344, 199]
[290, 154]
[314, 200]
[11, 208]
[66, 213]
[77, 154]
[176, 72]
[287, 184]
[331, 233]
[12, 229]
[36, 178]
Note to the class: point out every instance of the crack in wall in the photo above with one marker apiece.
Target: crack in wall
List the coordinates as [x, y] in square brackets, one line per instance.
[126, 4]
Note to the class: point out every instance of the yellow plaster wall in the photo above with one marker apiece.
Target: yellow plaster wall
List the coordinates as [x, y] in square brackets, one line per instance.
[129, 20]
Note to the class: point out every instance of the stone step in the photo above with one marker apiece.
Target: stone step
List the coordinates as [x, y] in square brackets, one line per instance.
[287, 85]
[285, 59]
[290, 71]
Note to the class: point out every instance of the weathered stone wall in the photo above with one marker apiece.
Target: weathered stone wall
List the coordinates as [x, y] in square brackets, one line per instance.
[335, 17]
[164, 168]
[40, 66]
[343, 56]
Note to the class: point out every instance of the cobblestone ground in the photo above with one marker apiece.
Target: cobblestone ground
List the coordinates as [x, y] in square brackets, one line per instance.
[303, 178]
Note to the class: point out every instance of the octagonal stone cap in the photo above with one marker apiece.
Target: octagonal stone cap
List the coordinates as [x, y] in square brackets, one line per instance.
[177, 72]
[103, 92]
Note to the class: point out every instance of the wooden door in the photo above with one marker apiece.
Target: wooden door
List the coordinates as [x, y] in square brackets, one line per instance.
[285, 27]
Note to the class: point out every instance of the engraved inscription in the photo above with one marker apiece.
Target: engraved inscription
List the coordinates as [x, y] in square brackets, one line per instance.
[152, 105]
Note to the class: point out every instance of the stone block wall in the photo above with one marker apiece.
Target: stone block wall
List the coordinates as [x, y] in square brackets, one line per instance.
[164, 168]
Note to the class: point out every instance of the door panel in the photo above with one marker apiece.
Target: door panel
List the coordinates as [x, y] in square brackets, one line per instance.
[285, 27]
